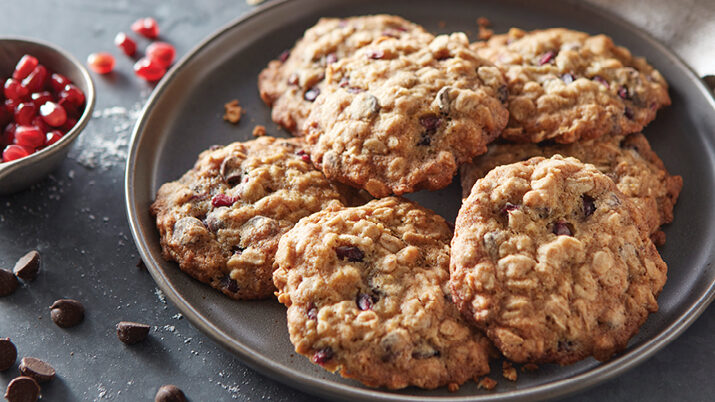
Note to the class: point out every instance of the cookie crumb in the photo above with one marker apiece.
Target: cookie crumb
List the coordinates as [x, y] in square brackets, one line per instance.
[259, 131]
[233, 112]
[453, 387]
[508, 371]
[487, 383]
[529, 367]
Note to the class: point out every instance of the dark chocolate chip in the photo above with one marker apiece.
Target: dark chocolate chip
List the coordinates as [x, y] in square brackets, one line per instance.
[508, 207]
[67, 313]
[170, 393]
[628, 113]
[364, 301]
[8, 282]
[443, 100]
[27, 267]
[546, 57]
[623, 92]
[430, 123]
[350, 253]
[8, 353]
[376, 54]
[23, 389]
[562, 229]
[231, 170]
[311, 94]
[141, 265]
[312, 312]
[503, 93]
[229, 284]
[565, 345]
[39, 370]
[237, 249]
[567, 78]
[284, 56]
[425, 353]
[323, 355]
[132, 332]
[589, 206]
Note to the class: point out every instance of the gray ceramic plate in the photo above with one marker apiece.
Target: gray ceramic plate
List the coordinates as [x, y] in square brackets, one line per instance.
[183, 117]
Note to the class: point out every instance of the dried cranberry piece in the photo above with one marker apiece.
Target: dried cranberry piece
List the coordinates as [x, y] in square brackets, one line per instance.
[312, 312]
[567, 78]
[589, 206]
[365, 301]
[222, 200]
[284, 56]
[376, 54]
[229, 284]
[303, 155]
[311, 94]
[350, 253]
[601, 81]
[623, 92]
[562, 229]
[331, 58]
[430, 123]
[323, 355]
[508, 207]
[503, 94]
[628, 113]
[546, 57]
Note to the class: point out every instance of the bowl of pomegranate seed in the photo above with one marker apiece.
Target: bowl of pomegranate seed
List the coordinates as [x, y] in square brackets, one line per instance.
[46, 100]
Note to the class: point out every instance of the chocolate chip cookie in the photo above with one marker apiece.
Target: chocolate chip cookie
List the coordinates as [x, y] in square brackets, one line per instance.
[553, 262]
[399, 115]
[567, 85]
[367, 293]
[637, 171]
[291, 83]
[222, 220]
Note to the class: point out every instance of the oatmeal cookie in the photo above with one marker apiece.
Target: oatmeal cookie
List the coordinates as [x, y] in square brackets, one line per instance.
[399, 116]
[637, 171]
[553, 262]
[568, 86]
[291, 83]
[222, 220]
[367, 293]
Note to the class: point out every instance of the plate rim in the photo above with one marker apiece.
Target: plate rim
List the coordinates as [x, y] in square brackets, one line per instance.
[284, 374]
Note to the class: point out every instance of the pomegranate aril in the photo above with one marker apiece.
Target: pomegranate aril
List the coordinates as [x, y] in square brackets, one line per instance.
[39, 98]
[70, 108]
[52, 137]
[25, 112]
[29, 136]
[24, 67]
[58, 82]
[149, 69]
[36, 80]
[146, 27]
[127, 44]
[39, 122]
[101, 63]
[71, 122]
[8, 135]
[14, 90]
[162, 53]
[13, 152]
[72, 95]
[5, 116]
[53, 114]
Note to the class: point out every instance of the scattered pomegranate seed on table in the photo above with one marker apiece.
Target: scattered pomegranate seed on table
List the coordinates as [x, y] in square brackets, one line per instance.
[126, 44]
[162, 53]
[101, 63]
[149, 69]
[146, 27]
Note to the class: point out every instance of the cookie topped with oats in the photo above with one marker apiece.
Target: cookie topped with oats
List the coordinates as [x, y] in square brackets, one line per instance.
[553, 262]
[367, 294]
[567, 86]
[221, 221]
[291, 83]
[400, 116]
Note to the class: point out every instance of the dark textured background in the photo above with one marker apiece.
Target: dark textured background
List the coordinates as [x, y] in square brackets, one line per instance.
[76, 219]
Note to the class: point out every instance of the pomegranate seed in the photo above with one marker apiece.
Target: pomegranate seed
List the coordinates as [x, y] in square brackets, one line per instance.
[52, 137]
[101, 63]
[29, 136]
[71, 122]
[149, 69]
[8, 135]
[13, 152]
[127, 44]
[36, 80]
[161, 53]
[24, 67]
[40, 123]
[53, 114]
[58, 82]
[5, 116]
[39, 98]
[14, 90]
[146, 27]
[70, 108]
[25, 112]
[73, 95]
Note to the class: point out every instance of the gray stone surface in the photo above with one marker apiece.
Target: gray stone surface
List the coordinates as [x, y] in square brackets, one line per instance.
[76, 220]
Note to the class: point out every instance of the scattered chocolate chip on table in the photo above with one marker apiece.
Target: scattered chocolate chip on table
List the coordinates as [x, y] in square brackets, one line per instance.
[67, 313]
[39, 370]
[132, 332]
[8, 353]
[28, 266]
[8, 282]
[170, 393]
[23, 389]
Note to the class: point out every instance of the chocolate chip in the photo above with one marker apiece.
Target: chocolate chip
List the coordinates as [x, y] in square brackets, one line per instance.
[443, 100]
[350, 253]
[27, 267]
[546, 57]
[503, 93]
[376, 54]
[231, 170]
[430, 123]
[39, 370]
[508, 207]
[284, 56]
[623, 92]
[311, 94]
[424, 139]
[312, 312]
[567, 78]
[364, 301]
[229, 284]
[589, 206]
[67, 313]
[170, 393]
[425, 352]
[562, 229]
[8, 282]
[8, 353]
[132, 332]
[323, 355]
[628, 113]
[565, 345]
[22, 389]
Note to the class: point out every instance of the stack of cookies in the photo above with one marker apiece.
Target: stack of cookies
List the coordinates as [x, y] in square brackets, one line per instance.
[552, 258]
